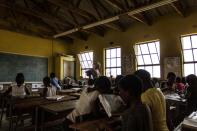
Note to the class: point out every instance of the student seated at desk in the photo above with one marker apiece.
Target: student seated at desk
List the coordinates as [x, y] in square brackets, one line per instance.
[155, 99]
[180, 87]
[191, 94]
[18, 89]
[170, 85]
[88, 102]
[138, 116]
[55, 81]
[48, 89]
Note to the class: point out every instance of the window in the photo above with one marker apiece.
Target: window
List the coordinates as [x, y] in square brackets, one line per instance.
[148, 57]
[189, 48]
[112, 62]
[86, 62]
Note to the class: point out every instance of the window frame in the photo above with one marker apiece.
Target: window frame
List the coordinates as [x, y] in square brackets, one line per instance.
[92, 61]
[144, 65]
[192, 49]
[105, 60]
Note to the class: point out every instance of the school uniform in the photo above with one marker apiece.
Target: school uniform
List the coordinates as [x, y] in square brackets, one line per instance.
[85, 105]
[155, 99]
[18, 91]
[49, 91]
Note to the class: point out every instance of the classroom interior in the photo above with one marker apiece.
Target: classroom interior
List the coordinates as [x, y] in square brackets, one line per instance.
[69, 37]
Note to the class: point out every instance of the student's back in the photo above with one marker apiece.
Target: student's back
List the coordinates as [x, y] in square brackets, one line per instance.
[156, 101]
[18, 90]
[136, 119]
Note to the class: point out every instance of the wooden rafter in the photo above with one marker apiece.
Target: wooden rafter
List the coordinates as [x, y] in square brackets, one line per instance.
[115, 4]
[115, 27]
[77, 11]
[103, 7]
[96, 9]
[141, 17]
[33, 13]
[178, 8]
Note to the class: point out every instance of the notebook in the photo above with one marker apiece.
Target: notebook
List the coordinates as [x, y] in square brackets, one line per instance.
[111, 103]
[191, 121]
[56, 97]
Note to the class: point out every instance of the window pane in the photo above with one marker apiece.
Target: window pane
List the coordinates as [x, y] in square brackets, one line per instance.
[118, 62]
[195, 54]
[158, 48]
[152, 48]
[138, 51]
[140, 60]
[86, 64]
[140, 67]
[113, 72]
[90, 64]
[118, 52]
[107, 71]
[107, 53]
[188, 69]
[87, 56]
[188, 55]
[156, 71]
[113, 62]
[186, 43]
[113, 53]
[144, 49]
[147, 59]
[195, 69]
[83, 57]
[155, 59]
[107, 62]
[149, 69]
[83, 74]
[118, 71]
[82, 65]
[91, 55]
[194, 41]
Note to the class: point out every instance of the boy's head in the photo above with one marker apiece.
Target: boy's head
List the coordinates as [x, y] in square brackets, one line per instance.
[178, 79]
[20, 79]
[171, 77]
[46, 81]
[191, 79]
[145, 77]
[118, 78]
[102, 84]
[52, 75]
[130, 88]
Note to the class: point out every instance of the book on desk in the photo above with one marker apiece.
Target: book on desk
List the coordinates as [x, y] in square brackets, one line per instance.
[191, 121]
[56, 97]
[111, 103]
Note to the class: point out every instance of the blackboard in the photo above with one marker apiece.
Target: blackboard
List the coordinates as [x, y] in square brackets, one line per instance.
[33, 68]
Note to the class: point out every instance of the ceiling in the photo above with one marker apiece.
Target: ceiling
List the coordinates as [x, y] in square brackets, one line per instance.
[47, 18]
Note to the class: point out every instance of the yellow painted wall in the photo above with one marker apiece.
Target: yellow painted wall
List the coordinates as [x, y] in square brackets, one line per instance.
[167, 29]
[12, 42]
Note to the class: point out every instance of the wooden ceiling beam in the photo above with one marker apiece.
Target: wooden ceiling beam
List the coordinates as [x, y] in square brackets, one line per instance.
[178, 8]
[33, 13]
[103, 7]
[77, 11]
[116, 17]
[141, 18]
[115, 4]
[96, 9]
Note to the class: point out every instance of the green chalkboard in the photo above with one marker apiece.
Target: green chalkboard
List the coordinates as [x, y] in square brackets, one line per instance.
[33, 68]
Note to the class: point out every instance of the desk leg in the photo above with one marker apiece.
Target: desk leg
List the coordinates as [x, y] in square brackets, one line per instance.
[36, 119]
[2, 110]
[42, 120]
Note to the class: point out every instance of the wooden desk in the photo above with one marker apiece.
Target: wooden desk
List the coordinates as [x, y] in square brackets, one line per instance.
[103, 123]
[60, 108]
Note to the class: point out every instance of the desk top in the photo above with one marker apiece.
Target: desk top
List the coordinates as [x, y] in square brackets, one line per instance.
[60, 107]
[175, 97]
[37, 101]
